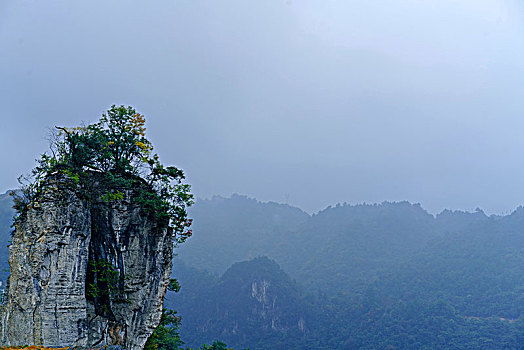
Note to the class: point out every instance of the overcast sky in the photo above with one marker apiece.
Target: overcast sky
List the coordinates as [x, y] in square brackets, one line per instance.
[306, 102]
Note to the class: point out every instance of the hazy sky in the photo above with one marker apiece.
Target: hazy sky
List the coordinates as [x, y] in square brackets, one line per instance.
[310, 102]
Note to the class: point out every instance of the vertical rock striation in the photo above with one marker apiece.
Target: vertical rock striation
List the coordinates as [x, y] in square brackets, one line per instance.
[85, 271]
[48, 259]
[139, 249]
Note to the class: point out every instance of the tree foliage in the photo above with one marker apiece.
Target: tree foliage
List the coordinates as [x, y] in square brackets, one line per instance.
[165, 336]
[116, 147]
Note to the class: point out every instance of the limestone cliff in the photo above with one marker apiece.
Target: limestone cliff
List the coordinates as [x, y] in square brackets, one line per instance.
[85, 271]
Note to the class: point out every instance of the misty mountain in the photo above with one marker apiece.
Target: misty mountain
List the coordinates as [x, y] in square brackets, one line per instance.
[478, 267]
[256, 304]
[391, 275]
[253, 304]
[341, 247]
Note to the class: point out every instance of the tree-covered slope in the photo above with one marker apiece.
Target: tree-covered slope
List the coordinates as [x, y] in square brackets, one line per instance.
[344, 247]
[462, 290]
[253, 304]
[477, 268]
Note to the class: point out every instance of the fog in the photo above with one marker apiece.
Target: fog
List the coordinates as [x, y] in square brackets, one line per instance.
[307, 103]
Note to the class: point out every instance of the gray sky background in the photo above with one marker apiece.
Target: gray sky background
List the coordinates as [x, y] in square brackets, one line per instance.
[310, 102]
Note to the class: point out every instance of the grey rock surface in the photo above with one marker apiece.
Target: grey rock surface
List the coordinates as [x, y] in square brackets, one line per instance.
[85, 273]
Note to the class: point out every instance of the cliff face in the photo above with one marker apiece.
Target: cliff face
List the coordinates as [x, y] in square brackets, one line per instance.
[85, 272]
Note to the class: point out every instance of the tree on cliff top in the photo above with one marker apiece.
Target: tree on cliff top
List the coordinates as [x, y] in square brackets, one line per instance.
[117, 148]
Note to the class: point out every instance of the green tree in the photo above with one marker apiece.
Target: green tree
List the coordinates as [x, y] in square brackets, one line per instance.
[166, 336]
[217, 345]
[116, 147]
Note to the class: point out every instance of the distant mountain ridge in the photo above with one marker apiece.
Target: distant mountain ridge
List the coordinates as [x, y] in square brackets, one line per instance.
[371, 236]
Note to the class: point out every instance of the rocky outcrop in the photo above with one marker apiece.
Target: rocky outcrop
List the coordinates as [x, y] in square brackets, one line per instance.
[85, 271]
